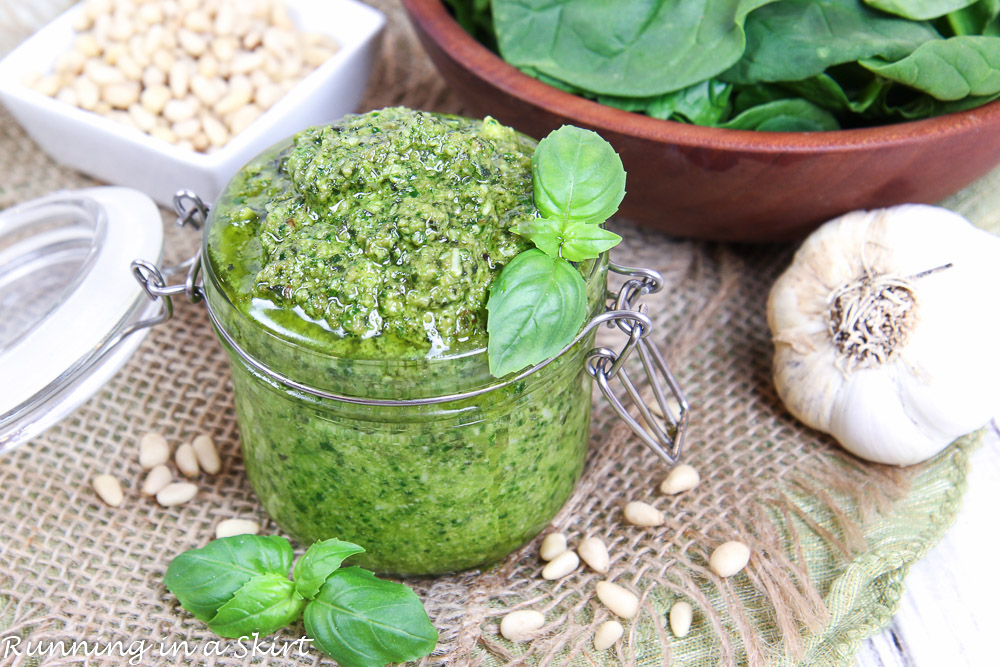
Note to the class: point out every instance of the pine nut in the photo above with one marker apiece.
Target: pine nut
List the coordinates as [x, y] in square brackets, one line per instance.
[153, 450]
[594, 553]
[519, 626]
[681, 615]
[156, 479]
[561, 565]
[618, 600]
[236, 98]
[553, 545]
[177, 110]
[208, 455]
[142, 118]
[179, 78]
[643, 514]
[231, 527]
[607, 635]
[216, 132]
[155, 98]
[187, 461]
[87, 93]
[682, 478]
[241, 119]
[121, 95]
[108, 489]
[176, 493]
[191, 42]
[729, 558]
[207, 92]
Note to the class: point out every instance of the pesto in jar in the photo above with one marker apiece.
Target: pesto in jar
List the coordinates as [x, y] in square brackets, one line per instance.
[356, 258]
[385, 230]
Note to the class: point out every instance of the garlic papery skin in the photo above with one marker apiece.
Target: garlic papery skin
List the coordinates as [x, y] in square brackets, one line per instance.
[886, 329]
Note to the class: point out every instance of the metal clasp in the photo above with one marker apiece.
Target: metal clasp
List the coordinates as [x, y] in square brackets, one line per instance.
[191, 211]
[666, 424]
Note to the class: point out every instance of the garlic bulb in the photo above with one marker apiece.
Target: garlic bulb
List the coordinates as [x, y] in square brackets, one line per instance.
[886, 329]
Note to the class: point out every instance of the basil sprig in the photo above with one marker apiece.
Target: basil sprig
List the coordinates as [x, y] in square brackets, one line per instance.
[539, 301]
[240, 586]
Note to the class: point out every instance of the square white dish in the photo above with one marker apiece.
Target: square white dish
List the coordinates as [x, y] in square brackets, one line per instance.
[121, 155]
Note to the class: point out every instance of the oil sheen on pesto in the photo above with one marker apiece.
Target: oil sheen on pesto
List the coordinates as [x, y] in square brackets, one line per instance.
[385, 230]
[357, 258]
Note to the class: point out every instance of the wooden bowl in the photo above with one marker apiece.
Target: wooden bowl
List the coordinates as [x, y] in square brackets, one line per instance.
[731, 185]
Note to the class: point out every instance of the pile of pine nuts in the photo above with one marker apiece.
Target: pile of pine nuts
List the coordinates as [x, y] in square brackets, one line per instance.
[191, 72]
[191, 459]
[727, 560]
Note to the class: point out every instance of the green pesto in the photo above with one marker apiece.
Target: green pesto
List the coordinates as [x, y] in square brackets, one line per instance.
[385, 229]
[424, 488]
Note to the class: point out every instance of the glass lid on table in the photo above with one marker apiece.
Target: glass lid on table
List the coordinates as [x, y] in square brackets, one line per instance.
[68, 302]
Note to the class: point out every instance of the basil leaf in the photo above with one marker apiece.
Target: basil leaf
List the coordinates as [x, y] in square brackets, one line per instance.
[796, 39]
[266, 603]
[544, 233]
[319, 562]
[536, 306]
[919, 10]
[361, 621]
[204, 579]
[634, 49]
[577, 176]
[949, 69]
[581, 241]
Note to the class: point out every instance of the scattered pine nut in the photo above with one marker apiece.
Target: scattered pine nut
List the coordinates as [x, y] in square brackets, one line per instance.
[682, 478]
[681, 615]
[553, 545]
[519, 626]
[594, 553]
[620, 601]
[156, 479]
[607, 635]
[643, 514]
[231, 527]
[108, 489]
[561, 565]
[176, 493]
[153, 450]
[729, 558]
[208, 455]
[187, 461]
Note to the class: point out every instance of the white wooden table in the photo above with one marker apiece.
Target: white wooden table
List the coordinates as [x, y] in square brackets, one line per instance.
[950, 613]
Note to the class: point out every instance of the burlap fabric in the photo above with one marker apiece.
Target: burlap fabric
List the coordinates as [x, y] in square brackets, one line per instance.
[832, 537]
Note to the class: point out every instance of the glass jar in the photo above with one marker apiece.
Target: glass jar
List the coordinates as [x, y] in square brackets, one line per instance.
[432, 465]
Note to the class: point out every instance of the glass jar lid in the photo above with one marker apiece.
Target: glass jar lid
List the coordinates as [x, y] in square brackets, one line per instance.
[68, 302]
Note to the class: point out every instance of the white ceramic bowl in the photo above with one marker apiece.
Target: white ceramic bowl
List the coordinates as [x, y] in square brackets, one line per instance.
[122, 155]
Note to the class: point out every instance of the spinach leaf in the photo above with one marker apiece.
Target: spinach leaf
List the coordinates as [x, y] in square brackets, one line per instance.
[318, 562]
[204, 579]
[919, 10]
[577, 175]
[976, 19]
[266, 603]
[827, 92]
[704, 103]
[476, 18]
[797, 39]
[633, 48]
[949, 69]
[786, 115]
[361, 621]
[536, 306]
